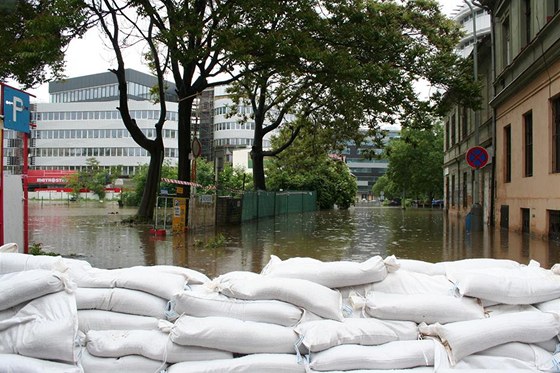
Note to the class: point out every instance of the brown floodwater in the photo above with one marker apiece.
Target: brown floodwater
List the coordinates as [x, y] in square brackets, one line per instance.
[94, 232]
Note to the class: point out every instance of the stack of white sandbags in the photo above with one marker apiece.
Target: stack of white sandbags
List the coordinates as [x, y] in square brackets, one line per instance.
[38, 322]
[297, 315]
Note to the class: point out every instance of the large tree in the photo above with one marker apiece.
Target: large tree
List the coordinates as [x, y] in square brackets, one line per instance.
[186, 39]
[345, 65]
[34, 37]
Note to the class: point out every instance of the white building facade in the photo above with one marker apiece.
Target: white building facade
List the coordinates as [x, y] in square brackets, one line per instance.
[83, 122]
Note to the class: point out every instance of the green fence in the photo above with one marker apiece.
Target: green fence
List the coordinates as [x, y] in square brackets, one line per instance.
[262, 204]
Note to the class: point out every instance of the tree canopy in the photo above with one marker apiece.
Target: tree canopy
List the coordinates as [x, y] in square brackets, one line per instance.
[415, 165]
[309, 166]
[34, 37]
[346, 65]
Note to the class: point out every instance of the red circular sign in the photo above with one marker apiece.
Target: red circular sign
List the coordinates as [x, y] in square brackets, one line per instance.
[196, 148]
[477, 157]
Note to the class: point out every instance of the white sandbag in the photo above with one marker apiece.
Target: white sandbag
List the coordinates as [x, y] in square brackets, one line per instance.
[523, 285]
[480, 264]
[227, 334]
[108, 320]
[552, 305]
[306, 294]
[509, 356]
[323, 334]
[420, 266]
[11, 247]
[465, 338]
[192, 276]
[19, 287]
[392, 355]
[255, 363]
[407, 282]
[428, 308]
[330, 274]
[11, 363]
[16, 262]
[161, 284]
[204, 302]
[152, 344]
[500, 309]
[131, 363]
[45, 328]
[121, 300]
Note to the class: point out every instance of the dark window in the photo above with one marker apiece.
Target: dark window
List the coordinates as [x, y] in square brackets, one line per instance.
[506, 42]
[465, 126]
[447, 191]
[507, 154]
[527, 25]
[447, 134]
[464, 189]
[528, 140]
[554, 225]
[452, 190]
[525, 220]
[453, 130]
[556, 135]
[504, 216]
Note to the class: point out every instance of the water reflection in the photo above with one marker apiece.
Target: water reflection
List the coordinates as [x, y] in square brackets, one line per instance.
[94, 232]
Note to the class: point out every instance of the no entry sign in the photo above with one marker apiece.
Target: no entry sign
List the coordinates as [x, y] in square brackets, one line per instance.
[477, 157]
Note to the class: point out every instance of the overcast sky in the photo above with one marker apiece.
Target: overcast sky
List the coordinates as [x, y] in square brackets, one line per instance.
[89, 56]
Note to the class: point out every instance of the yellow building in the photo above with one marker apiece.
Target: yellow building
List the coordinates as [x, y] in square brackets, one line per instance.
[526, 103]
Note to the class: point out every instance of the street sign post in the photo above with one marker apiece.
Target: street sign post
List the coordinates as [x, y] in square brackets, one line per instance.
[477, 157]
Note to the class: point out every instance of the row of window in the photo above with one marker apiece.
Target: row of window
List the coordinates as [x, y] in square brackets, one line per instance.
[98, 134]
[92, 93]
[527, 143]
[241, 110]
[553, 221]
[99, 152]
[238, 142]
[101, 115]
[123, 170]
[223, 126]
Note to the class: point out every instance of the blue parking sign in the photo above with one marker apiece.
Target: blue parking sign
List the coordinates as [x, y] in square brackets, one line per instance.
[15, 107]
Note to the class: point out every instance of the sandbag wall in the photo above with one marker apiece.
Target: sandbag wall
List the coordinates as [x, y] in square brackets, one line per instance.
[297, 315]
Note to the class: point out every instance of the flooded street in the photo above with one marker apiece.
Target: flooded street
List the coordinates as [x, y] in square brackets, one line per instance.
[94, 232]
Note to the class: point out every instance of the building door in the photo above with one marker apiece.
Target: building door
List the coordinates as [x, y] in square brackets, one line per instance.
[526, 221]
[504, 217]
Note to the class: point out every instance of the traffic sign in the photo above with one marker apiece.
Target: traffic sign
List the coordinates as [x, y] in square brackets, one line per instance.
[196, 147]
[15, 107]
[477, 157]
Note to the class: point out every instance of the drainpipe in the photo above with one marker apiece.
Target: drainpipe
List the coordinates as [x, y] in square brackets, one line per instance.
[476, 209]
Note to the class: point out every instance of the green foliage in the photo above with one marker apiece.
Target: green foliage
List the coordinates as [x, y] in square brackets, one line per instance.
[232, 181]
[308, 166]
[34, 36]
[415, 164]
[93, 178]
[133, 197]
[385, 185]
[36, 248]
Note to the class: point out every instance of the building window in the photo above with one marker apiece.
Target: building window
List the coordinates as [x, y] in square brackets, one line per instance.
[527, 21]
[465, 126]
[528, 143]
[507, 154]
[453, 130]
[464, 190]
[506, 42]
[556, 135]
[447, 135]
[554, 225]
[452, 190]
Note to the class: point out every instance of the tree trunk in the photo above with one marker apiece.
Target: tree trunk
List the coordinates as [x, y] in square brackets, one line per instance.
[149, 195]
[184, 140]
[259, 181]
